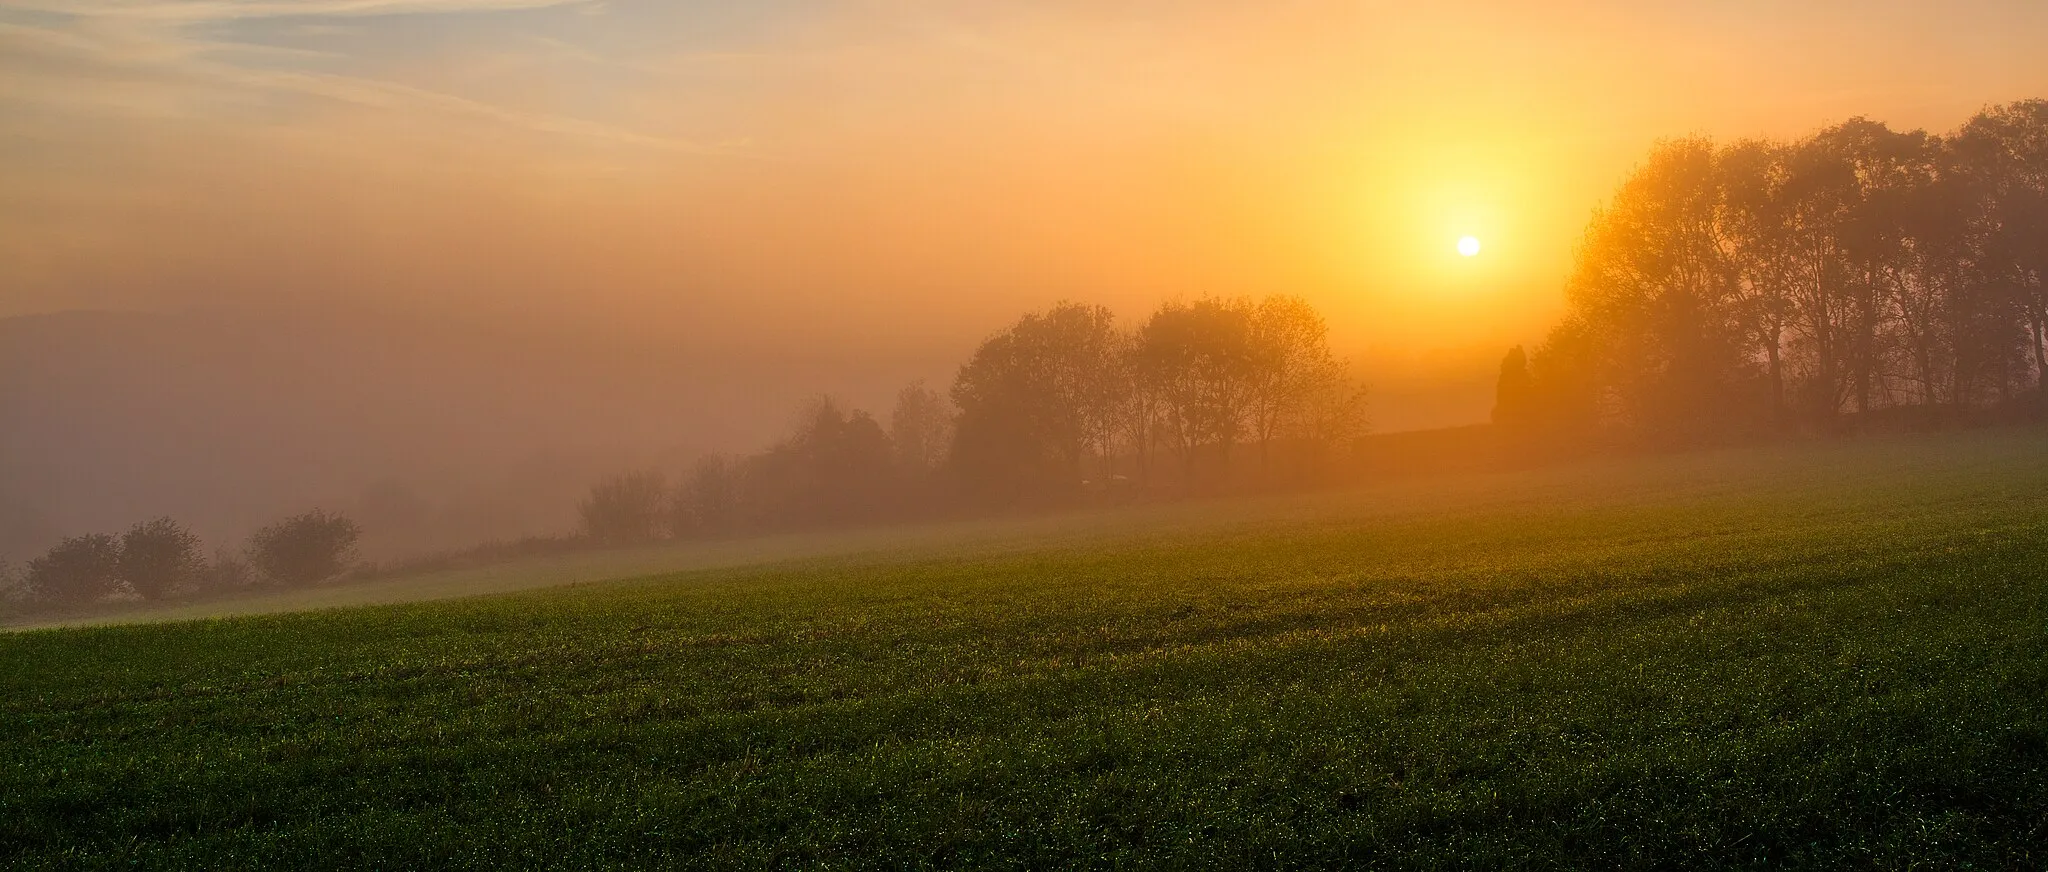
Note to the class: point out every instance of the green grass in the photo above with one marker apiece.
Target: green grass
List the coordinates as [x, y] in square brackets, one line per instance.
[1818, 656]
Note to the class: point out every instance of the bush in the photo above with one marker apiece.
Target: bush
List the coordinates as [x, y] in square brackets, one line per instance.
[304, 549]
[79, 570]
[626, 509]
[12, 588]
[158, 557]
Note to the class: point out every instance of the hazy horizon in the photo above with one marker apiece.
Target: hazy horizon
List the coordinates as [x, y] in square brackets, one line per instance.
[679, 223]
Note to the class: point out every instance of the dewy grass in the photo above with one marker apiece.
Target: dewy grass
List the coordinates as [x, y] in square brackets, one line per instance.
[1788, 657]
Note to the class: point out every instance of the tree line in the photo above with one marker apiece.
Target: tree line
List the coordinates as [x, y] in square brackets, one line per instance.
[1859, 274]
[1059, 406]
[159, 559]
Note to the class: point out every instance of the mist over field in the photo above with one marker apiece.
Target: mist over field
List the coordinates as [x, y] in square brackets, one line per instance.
[435, 261]
[436, 432]
[887, 434]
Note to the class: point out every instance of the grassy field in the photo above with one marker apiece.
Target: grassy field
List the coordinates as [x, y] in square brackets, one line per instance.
[1807, 656]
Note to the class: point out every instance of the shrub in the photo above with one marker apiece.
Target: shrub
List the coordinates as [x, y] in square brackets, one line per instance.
[626, 509]
[79, 570]
[158, 557]
[305, 548]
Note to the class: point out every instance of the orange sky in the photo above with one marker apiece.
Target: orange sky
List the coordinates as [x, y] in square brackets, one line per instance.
[891, 177]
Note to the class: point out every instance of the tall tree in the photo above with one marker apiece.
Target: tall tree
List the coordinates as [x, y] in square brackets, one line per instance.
[1200, 361]
[1291, 366]
[1036, 401]
[1756, 231]
[1654, 289]
[920, 427]
[2004, 150]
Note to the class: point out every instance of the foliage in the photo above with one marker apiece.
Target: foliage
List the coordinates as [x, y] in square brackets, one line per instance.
[1199, 360]
[920, 427]
[1793, 658]
[628, 509]
[304, 549]
[1034, 400]
[1067, 397]
[837, 467]
[1759, 284]
[79, 569]
[708, 499]
[1057, 405]
[158, 557]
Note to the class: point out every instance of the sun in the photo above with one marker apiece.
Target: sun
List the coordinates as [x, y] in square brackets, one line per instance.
[1468, 246]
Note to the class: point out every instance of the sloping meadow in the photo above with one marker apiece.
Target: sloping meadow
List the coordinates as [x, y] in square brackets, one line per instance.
[1814, 656]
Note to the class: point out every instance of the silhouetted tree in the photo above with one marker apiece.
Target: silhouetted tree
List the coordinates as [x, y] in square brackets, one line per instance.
[841, 467]
[1200, 361]
[1653, 282]
[1858, 269]
[920, 427]
[158, 557]
[1756, 229]
[1291, 367]
[79, 569]
[629, 509]
[708, 499]
[1331, 414]
[304, 549]
[1036, 400]
[1570, 397]
[2004, 150]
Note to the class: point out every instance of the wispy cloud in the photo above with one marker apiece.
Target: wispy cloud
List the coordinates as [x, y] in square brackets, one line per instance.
[226, 10]
[109, 55]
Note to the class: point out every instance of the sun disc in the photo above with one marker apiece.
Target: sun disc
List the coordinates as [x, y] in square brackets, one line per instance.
[1468, 246]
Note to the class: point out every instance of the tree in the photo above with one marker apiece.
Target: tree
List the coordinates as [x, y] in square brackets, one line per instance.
[79, 569]
[1756, 232]
[2004, 152]
[1570, 398]
[627, 509]
[839, 466]
[304, 549]
[1514, 394]
[1291, 364]
[1332, 413]
[1037, 401]
[920, 427]
[1654, 303]
[708, 500]
[1200, 361]
[158, 557]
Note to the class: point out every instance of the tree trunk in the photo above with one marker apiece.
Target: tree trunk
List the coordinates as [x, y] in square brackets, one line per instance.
[1777, 385]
